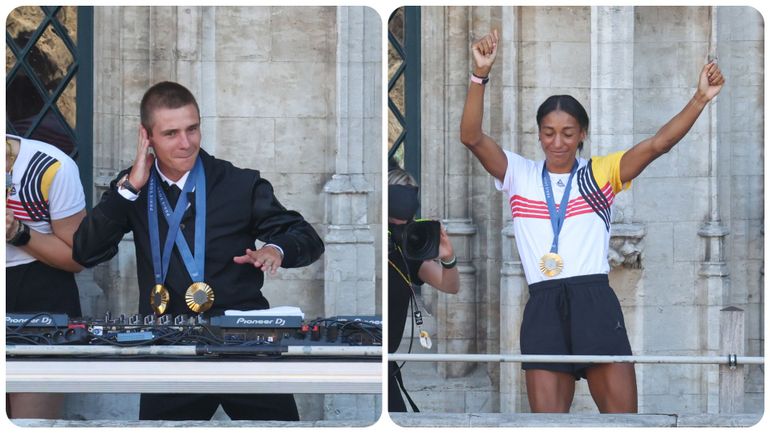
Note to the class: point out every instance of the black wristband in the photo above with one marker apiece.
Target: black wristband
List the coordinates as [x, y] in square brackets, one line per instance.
[450, 264]
[21, 237]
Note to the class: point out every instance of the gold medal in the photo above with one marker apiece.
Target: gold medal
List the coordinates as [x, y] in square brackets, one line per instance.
[199, 297]
[551, 264]
[159, 298]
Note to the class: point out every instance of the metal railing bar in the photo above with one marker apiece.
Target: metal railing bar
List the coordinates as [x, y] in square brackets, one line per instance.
[587, 359]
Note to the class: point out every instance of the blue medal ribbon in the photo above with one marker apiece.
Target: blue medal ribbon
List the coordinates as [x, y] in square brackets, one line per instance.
[557, 216]
[157, 198]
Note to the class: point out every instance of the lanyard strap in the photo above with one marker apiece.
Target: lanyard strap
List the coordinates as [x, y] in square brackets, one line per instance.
[157, 198]
[557, 216]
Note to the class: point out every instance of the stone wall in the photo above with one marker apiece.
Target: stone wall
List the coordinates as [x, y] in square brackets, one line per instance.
[687, 237]
[292, 92]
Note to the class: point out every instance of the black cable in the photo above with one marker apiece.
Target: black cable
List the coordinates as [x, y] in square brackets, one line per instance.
[362, 327]
[34, 339]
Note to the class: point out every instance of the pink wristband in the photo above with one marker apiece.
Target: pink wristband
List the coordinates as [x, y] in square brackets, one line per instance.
[479, 80]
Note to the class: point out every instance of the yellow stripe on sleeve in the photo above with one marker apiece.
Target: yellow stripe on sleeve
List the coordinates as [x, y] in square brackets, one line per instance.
[45, 183]
[607, 169]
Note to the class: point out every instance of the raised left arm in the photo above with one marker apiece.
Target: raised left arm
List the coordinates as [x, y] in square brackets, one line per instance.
[642, 154]
[445, 279]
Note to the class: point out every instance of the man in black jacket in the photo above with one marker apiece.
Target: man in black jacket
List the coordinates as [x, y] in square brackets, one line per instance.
[190, 261]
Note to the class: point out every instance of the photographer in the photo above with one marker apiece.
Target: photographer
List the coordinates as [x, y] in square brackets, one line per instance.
[404, 273]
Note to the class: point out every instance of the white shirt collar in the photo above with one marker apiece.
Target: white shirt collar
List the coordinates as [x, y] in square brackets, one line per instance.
[180, 183]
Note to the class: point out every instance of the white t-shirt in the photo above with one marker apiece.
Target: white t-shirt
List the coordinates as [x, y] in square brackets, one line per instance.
[585, 234]
[45, 187]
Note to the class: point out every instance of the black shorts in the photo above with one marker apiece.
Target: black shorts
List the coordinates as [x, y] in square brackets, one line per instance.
[573, 316]
[38, 288]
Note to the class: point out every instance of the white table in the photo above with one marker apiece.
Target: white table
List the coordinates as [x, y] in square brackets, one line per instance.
[182, 376]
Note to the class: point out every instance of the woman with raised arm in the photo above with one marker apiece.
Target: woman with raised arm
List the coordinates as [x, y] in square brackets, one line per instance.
[561, 209]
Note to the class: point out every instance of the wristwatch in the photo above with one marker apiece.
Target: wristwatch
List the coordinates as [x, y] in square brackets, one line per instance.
[21, 237]
[125, 184]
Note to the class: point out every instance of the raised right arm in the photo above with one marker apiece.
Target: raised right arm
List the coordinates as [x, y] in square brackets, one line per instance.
[484, 147]
[96, 239]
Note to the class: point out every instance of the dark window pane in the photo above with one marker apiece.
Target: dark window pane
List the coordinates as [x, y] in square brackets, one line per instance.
[50, 59]
[22, 102]
[22, 22]
[39, 102]
[396, 25]
[52, 131]
[10, 59]
[395, 129]
[66, 103]
[68, 17]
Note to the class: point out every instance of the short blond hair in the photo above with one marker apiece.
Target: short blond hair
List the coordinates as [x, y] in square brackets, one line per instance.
[399, 176]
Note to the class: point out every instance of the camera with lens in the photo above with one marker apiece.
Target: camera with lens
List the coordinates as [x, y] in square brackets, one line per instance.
[418, 240]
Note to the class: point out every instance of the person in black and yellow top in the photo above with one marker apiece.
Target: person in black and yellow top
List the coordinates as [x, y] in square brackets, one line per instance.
[195, 219]
[44, 205]
[405, 274]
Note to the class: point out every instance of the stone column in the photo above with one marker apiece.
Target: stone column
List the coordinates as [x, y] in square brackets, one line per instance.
[121, 62]
[612, 129]
[513, 297]
[445, 171]
[349, 261]
[123, 51]
[713, 269]
[612, 87]
[513, 283]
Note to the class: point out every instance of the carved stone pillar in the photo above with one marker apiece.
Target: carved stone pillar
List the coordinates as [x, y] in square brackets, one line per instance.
[612, 129]
[513, 297]
[349, 260]
[612, 84]
[119, 52]
[513, 283]
[716, 279]
[449, 189]
[713, 269]
[457, 313]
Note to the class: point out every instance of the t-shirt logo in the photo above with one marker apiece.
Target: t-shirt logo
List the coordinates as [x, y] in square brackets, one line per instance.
[32, 201]
[560, 183]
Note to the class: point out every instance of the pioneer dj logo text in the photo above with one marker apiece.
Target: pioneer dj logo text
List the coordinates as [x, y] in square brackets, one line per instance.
[21, 320]
[244, 321]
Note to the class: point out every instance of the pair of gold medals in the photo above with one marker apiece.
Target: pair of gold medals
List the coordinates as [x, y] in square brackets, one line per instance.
[199, 297]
